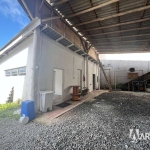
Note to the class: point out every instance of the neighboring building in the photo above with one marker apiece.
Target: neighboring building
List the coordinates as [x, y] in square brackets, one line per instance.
[118, 72]
[50, 62]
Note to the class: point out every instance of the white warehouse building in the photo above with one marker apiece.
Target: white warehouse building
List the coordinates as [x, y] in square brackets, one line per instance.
[41, 58]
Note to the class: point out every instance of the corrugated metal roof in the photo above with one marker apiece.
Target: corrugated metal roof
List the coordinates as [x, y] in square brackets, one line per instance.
[110, 40]
[74, 6]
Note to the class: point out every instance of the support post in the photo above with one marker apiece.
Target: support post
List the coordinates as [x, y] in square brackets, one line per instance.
[115, 79]
[129, 86]
[35, 68]
[34, 59]
[84, 70]
[98, 76]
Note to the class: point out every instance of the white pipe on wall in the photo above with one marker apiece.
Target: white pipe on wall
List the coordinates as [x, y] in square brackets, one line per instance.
[87, 73]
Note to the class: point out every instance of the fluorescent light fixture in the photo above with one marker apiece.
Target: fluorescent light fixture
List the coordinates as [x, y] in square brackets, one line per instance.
[80, 33]
[75, 28]
[84, 38]
[69, 22]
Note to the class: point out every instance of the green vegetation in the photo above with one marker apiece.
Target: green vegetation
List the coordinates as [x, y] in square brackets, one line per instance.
[7, 110]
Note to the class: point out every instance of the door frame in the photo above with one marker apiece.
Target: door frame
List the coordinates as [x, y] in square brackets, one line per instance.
[94, 81]
[62, 81]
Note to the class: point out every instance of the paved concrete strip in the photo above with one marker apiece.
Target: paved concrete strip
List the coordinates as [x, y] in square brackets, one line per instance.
[88, 97]
[47, 118]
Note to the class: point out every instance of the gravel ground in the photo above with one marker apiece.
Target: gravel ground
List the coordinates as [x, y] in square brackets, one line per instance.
[100, 125]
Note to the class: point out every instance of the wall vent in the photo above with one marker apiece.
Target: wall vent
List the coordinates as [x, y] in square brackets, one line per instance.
[64, 42]
[132, 69]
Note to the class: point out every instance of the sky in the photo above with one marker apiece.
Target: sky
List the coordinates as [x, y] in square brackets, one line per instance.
[12, 20]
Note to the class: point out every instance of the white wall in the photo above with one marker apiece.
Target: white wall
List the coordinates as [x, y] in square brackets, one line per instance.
[121, 69]
[16, 58]
[53, 56]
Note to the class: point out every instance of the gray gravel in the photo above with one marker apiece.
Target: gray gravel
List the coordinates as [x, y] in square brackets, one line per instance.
[100, 125]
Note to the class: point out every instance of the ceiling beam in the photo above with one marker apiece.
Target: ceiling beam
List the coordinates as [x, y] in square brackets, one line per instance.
[115, 25]
[74, 12]
[122, 45]
[123, 41]
[41, 5]
[59, 2]
[116, 37]
[99, 50]
[97, 17]
[50, 18]
[122, 52]
[91, 9]
[117, 11]
[127, 50]
[124, 49]
[28, 10]
[144, 28]
[84, 45]
[142, 14]
[145, 3]
[47, 4]
[113, 16]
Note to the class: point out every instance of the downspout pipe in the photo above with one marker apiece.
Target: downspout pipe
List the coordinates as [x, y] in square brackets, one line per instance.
[87, 72]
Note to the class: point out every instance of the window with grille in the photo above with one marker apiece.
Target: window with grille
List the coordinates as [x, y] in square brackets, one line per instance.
[8, 72]
[22, 71]
[15, 71]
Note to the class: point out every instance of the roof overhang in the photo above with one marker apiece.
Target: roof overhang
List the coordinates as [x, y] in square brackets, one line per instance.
[50, 32]
[111, 26]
